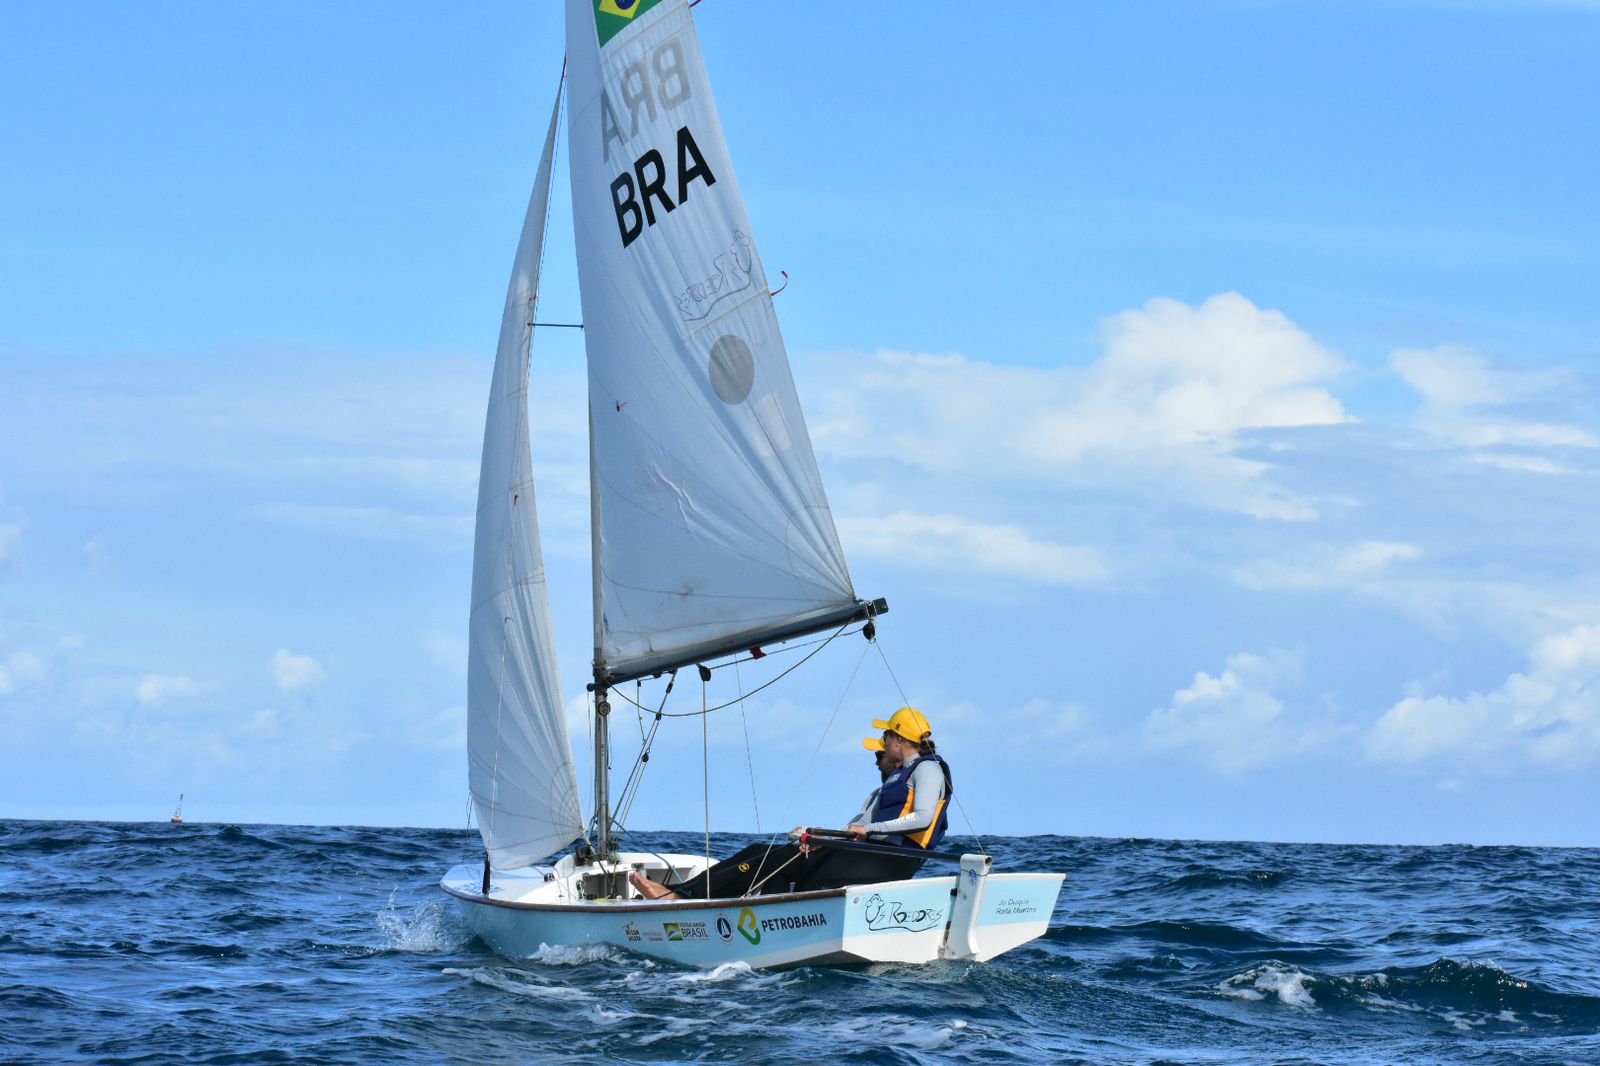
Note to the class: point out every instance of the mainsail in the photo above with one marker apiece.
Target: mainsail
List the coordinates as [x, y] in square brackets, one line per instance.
[524, 787]
[712, 528]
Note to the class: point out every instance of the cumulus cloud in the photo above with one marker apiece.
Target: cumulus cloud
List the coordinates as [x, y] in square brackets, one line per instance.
[1236, 721]
[293, 672]
[1468, 402]
[1169, 402]
[1328, 566]
[154, 689]
[950, 542]
[1547, 715]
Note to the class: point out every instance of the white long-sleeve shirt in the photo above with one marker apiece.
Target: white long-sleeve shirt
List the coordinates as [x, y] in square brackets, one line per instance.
[927, 788]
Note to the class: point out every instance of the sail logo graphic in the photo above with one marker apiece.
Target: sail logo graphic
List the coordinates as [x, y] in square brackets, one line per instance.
[611, 17]
[749, 927]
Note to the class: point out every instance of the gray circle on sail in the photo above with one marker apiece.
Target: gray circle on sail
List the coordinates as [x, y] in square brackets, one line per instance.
[732, 369]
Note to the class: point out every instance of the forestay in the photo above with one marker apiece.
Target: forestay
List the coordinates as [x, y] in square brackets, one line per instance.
[524, 787]
[713, 530]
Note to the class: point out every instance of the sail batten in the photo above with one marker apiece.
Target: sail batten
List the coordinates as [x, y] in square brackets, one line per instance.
[711, 523]
[519, 757]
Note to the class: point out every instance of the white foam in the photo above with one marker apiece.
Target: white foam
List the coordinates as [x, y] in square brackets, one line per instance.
[429, 929]
[727, 971]
[896, 1031]
[1284, 982]
[516, 983]
[572, 954]
[605, 1015]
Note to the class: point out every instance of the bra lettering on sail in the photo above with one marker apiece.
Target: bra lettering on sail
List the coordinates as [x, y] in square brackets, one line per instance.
[644, 83]
[646, 186]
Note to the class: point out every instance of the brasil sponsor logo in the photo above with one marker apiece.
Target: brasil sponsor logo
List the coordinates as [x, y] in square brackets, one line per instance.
[611, 17]
[749, 926]
[685, 930]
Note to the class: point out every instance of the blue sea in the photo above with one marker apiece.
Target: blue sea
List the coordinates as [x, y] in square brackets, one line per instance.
[153, 943]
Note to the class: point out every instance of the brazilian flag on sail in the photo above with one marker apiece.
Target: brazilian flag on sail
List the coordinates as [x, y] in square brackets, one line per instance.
[611, 17]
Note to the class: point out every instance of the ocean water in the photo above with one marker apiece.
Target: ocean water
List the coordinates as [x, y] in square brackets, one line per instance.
[147, 943]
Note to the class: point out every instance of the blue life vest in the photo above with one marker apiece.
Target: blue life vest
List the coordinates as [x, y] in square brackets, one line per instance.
[897, 798]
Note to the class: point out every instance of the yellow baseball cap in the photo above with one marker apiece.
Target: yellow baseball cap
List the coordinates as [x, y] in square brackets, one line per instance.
[908, 722]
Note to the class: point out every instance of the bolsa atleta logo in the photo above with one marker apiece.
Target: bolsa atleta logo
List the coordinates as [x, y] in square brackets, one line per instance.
[611, 17]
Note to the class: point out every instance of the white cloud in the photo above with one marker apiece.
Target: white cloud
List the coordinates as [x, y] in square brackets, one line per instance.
[1042, 729]
[293, 672]
[1467, 402]
[155, 690]
[1546, 715]
[1236, 721]
[1324, 566]
[447, 532]
[94, 551]
[948, 542]
[264, 725]
[18, 670]
[10, 534]
[447, 649]
[445, 731]
[1166, 406]
[1526, 463]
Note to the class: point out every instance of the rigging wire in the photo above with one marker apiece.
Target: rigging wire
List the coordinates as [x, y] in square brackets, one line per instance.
[630, 789]
[705, 767]
[721, 706]
[749, 759]
[812, 761]
[906, 702]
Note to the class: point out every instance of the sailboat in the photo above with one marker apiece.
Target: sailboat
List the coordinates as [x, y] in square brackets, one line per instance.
[177, 815]
[711, 536]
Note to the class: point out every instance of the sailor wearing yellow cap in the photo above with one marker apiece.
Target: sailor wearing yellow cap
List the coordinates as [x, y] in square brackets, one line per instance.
[912, 803]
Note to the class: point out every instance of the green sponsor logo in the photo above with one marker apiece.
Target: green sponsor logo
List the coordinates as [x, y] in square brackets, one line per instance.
[611, 17]
[749, 926]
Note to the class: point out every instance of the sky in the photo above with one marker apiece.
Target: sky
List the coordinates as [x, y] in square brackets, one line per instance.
[1213, 390]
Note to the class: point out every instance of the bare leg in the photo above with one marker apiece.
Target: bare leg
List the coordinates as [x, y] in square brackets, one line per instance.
[648, 888]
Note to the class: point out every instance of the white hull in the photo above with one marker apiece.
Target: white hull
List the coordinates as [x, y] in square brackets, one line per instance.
[972, 915]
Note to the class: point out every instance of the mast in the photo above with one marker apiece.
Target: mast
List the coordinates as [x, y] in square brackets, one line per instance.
[602, 706]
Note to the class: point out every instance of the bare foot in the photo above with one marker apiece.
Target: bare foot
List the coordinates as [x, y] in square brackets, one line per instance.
[648, 888]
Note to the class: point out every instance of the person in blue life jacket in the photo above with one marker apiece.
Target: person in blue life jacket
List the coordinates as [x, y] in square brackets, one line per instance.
[913, 804]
